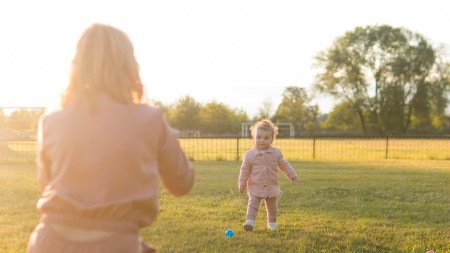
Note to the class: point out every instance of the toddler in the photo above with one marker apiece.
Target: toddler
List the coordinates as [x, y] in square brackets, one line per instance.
[259, 174]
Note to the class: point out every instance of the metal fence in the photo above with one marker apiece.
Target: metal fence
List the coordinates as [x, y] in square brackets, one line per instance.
[18, 152]
[298, 149]
[324, 148]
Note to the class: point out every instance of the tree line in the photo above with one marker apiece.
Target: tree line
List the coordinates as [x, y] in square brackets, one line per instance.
[385, 80]
[21, 119]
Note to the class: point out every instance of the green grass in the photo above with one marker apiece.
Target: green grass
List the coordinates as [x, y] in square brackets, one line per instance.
[375, 206]
[18, 216]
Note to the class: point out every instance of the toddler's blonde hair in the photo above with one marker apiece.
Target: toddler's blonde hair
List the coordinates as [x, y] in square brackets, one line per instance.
[265, 124]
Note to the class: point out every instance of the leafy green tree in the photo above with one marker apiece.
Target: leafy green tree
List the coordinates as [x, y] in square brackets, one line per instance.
[373, 68]
[439, 91]
[421, 107]
[314, 116]
[392, 113]
[185, 114]
[216, 118]
[265, 110]
[24, 119]
[295, 108]
[343, 117]
[239, 116]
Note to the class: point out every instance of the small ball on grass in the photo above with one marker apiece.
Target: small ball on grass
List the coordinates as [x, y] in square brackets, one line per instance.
[229, 233]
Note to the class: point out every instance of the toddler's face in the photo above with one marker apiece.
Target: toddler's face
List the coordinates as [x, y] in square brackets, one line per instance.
[263, 139]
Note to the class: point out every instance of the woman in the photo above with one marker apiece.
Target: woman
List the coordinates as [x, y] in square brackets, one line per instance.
[100, 155]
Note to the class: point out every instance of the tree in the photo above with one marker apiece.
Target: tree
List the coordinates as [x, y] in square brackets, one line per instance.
[239, 116]
[421, 107]
[439, 91]
[265, 110]
[373, 68]
[24, 119]
[392, 111]
[217, 118]
[295, 108]
[186, 114]
[212, 118]
[342, 117]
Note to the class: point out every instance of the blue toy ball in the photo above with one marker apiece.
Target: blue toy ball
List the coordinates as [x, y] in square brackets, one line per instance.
[229, 233]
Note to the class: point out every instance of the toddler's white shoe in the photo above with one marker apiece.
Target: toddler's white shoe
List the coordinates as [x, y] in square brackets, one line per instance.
[249, 225]
[272, 226]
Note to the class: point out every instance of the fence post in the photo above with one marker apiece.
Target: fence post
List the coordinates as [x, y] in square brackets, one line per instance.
[387, 147]
[314, 148]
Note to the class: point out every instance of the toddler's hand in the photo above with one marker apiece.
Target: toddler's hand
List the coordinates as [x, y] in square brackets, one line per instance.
[295, 180]
[241, 188]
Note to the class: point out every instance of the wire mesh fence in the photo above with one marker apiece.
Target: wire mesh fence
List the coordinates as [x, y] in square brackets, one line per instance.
[17, 152]
[314, 148]
[324, 148]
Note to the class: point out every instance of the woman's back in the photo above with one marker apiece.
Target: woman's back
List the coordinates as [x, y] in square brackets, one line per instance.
[100, 156]
[101, 162]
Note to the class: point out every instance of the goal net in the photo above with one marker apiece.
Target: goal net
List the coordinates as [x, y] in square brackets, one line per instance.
[284, 129]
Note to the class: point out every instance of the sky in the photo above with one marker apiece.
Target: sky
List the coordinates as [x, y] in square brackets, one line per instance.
[242, 53]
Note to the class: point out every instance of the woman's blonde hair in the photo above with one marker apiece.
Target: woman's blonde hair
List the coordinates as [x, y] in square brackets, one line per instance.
[265, 124]
[104, 62]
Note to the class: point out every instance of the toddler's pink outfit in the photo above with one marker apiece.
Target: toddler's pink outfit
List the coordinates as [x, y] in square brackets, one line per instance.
[259, 173]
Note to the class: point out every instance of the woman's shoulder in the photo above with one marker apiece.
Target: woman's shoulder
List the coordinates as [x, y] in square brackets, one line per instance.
[150, 110]
[52, 111]
[149, 107]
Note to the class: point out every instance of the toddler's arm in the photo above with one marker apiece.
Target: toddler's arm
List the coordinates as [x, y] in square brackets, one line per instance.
[244, 174]
[288, 170]
[242, 188]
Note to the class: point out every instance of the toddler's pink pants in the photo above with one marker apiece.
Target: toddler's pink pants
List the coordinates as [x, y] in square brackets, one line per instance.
[271, 208]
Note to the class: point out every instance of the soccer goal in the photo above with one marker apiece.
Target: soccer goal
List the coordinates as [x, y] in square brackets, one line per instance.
[284, 129]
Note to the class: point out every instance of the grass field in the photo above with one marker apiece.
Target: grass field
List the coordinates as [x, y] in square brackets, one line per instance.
[358, 206]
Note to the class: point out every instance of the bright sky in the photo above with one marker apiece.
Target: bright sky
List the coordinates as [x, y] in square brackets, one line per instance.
[238, 52]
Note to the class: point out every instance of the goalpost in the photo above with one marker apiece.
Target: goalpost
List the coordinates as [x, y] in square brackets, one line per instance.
[284, 129]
